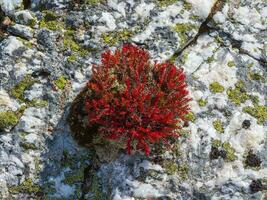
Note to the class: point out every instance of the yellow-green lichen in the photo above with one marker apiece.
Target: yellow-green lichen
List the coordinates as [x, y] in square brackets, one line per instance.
[187, 6]
[18, 90]
[182, 30]
[190, 116]
[32, 22]
[93, 2]
[258, 111]
[210, 59]
[230, 151]
[172, 168]
[217, 124]
[164, 3]
[202, 102]
[238, 94]
[61, 82]
[28, 146]
[8, 119]
[216, 87]
[38, 103]
[72, 58]
[256, 76]
[114, 37]
[231, 64]
[216, 143]
[28, 186]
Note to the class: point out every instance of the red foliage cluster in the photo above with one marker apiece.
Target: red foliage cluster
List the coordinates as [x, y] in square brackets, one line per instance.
[135, 101]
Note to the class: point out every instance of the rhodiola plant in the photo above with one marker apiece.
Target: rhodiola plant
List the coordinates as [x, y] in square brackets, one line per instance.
[134, 101]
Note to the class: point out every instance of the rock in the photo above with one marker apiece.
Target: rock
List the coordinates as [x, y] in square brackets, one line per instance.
[9, 45]
[24, 17]
[21, 31]
[9, 6]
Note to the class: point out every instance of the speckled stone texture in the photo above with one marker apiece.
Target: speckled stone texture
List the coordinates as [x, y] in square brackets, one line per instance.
[47, 49]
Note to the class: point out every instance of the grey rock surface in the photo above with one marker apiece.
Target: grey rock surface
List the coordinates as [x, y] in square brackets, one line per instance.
[46, 57]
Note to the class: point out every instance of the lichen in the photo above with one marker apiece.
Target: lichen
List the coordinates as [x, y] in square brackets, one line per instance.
[190, 116]
[8, 119]
[216, 87]
[18, 90]
[170, 167]
[238, 94]
[28, 186]
[38, 103]
[202, 102]
[256, 76]
[72, 58]
[93, 2]
[217, 124]
[231, 64]
[210, 59]
[164, 3]
[28, 146]
[114, 37]
[258, 111]
[182, 30]
[61, 82]
[216, 143]
[230, 151]
[187, 5]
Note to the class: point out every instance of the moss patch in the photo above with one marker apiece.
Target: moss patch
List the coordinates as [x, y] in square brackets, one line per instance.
[50, 21]
[18, 90]
[217, 124]
[8, 119]
[258, 111]
[25, 187]
[61, 82]
[74, 177]
[238, 94]
[216, 87]
[96, 189]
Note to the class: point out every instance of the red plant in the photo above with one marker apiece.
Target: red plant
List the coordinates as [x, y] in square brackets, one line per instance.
[135, 101]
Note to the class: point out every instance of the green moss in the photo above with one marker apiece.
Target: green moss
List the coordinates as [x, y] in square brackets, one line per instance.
[61, 82]
[216, 87]
[216, 143]
[230, 151]
[8, 119]
[238, 94]
[74, 177]
[217, 124]
[182, 30]
[190, 116]
[164, 3]
[26, 187]
[51, 25]
[26, 42]
[114, 37]
[18, 90]
[258, 111]
[231, 64]
[70, 43]
[254, 99]
[37, 165]
[49, 15]
[202, 102]
[183, 171]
